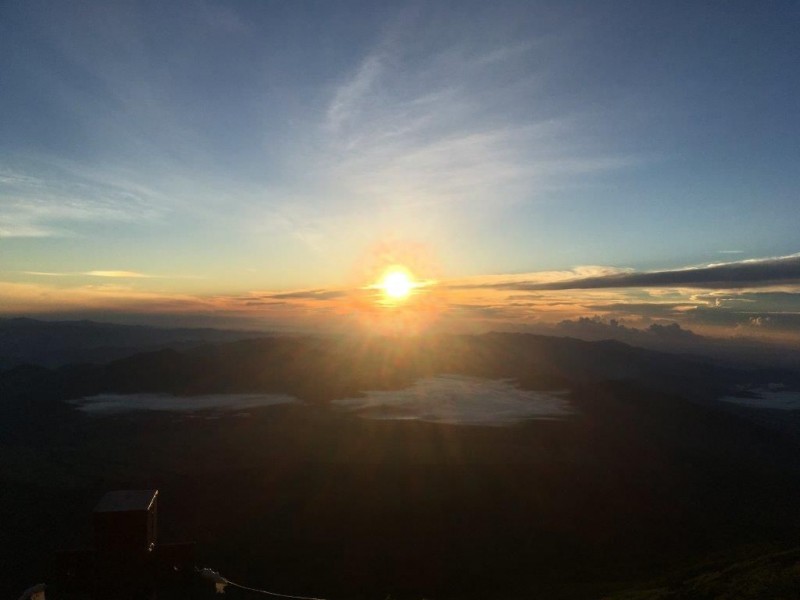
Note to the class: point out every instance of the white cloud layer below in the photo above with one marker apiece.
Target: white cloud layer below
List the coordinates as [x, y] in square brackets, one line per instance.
[458, 400]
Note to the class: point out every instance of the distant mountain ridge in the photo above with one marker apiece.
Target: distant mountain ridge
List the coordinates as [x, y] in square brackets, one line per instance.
[56, 343]
[321, 369]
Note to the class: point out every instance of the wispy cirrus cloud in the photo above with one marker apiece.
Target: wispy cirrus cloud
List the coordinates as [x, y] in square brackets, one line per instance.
[349, 96]
[111, 274]
[412, 132]
[47, 200]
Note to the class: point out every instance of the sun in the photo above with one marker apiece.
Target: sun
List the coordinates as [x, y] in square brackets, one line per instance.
[396, 283]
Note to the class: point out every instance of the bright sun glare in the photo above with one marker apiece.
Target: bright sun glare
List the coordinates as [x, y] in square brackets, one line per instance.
[396, 284]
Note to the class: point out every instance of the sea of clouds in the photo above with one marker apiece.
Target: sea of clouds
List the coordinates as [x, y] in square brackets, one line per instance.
[459, 400]
[448, 399]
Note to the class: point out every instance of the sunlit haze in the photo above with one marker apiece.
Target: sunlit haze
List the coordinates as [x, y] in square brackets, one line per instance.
[396, 284]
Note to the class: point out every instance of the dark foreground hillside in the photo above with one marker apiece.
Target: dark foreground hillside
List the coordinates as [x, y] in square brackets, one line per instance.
[306, 499]
[773, 575]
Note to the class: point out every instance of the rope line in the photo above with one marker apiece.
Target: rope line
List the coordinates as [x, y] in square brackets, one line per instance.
[219, 579]
[244, 587]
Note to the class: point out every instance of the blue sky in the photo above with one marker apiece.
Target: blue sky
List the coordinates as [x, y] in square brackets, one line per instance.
[183, 152]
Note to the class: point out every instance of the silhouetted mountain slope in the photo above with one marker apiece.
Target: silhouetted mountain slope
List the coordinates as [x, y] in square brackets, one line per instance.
[773, 576]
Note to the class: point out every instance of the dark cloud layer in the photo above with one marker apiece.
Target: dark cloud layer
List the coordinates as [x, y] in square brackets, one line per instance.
[308, 295]
[749, 273]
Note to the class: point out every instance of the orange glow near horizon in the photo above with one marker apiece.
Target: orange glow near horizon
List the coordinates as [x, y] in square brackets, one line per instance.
[396, 291]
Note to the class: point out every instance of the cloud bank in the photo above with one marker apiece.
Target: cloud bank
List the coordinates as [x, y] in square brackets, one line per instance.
[732, 275]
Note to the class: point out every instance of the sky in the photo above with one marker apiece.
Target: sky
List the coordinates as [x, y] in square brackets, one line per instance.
[530, 164]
